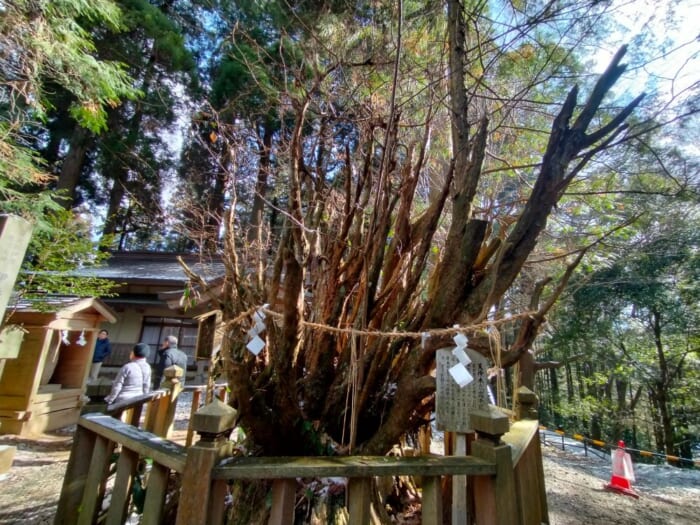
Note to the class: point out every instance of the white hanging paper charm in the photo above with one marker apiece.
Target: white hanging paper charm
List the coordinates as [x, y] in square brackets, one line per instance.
[461, 356]
[460, 340]
[81, 340]
[255, 345]
[461, 375]
[64, 337]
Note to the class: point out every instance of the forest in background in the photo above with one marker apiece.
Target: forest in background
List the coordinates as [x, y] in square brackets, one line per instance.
[376, 171]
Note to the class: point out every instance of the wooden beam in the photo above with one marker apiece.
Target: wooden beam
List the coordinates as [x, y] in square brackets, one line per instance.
[76, 474]
[167, 453]
[359, 502]
[121, 493]
[352, 467]
[155, 495]
[99, 465]
[431, 501]
[283, 496]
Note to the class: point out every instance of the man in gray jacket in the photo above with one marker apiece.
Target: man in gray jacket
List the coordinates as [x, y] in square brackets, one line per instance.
[168, 355]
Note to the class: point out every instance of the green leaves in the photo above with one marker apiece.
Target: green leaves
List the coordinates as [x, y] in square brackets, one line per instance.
[50, 43]
[61, 243]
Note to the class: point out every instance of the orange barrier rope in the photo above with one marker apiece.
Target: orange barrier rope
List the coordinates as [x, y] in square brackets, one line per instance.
[643, 453]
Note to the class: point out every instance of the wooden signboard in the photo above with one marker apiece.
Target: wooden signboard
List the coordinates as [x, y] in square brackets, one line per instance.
[209, 335]
[15, 233]
[454, 403]
[457, 395]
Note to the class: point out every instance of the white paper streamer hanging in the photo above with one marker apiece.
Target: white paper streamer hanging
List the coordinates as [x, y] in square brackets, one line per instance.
[461, 375]
[460, 340]
[255, 345]
[461, 356]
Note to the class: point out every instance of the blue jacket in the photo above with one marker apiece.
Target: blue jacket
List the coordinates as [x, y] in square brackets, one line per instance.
[102, 350]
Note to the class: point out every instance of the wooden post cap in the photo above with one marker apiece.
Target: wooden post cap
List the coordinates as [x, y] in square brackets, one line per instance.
[214, 419]
[527, 396]
[173, 371]
[491, 422]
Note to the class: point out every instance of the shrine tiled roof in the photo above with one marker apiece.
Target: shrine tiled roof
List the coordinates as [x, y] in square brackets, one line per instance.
[156, 267]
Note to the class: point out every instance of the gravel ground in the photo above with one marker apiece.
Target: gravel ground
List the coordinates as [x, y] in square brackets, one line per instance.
[29, 491]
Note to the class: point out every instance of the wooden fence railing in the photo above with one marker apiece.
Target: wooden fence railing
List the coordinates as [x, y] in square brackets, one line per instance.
[506, 474]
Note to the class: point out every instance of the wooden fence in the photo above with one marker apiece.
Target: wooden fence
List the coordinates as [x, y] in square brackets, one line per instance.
[504, 471]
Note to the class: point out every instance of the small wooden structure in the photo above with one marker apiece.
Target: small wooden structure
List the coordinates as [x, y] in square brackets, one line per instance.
[43, 388]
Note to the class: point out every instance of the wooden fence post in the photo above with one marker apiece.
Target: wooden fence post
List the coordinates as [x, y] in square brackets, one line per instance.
[494, 497]
[161, 412]
[527, 402]
[214, 424]
[75, 477]
[196, 399]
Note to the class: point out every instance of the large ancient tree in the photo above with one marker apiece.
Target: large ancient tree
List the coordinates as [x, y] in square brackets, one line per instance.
[382, 233]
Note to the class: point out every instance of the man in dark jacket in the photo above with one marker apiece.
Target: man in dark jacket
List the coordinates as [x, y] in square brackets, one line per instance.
[168, 355]
[102, 349]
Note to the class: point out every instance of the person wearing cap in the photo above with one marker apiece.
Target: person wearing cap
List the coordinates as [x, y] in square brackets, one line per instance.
[134, 378]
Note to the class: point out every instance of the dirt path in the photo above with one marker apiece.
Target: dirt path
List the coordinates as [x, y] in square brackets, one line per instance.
[29, 491]
[576, 496]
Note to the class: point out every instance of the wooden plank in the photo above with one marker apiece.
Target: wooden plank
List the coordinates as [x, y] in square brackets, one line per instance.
[8, 402]
[76, 474]
[283, 496]
[97, 472]
[20, 376]
[167, 453]
[39, 423]
[196, 397]
[217, 503]
[73, 364]
[351, 467]
[56, 405]
[431, 501]
[359, 504]
[541, 489]
[21, 415]
[75, 325]
[519, 437]
[121, 493]
[196, 485]
[526, 491]
[495, 498]
[155, 495]
[459, 483]
[59, 395]
[131, 402]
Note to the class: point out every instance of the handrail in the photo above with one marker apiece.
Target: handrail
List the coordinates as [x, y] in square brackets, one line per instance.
[133, 402]
[161, 450]
[281, 467]
[520, 436]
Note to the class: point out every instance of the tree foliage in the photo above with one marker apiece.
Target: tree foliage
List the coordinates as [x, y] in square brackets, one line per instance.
[632, 325]
[44, 45]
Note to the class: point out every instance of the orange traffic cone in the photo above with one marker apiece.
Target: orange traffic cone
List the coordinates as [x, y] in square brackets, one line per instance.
[622, 472]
